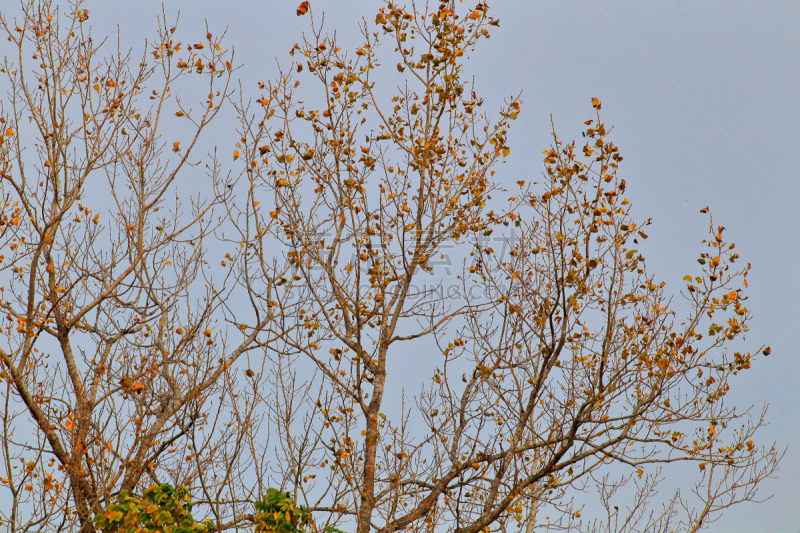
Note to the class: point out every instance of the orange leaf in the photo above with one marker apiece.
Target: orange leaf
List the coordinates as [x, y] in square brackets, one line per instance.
[596, 103]
[639, 473]
[176, 146]
[9, 132]
[69, 424]
[235, 155]
[475, 15]
[302, 9]
[137, 387]
[96, 87]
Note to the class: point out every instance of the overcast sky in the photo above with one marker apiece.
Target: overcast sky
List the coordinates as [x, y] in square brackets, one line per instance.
[705, 100]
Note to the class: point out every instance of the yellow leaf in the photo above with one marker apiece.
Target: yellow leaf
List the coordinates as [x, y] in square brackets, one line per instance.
[639, 473]
[207, 333]
[506, 151]
[596, 103]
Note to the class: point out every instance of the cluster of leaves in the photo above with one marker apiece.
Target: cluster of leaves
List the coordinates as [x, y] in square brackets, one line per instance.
[277, 513]
[161, 509]
[165, 509]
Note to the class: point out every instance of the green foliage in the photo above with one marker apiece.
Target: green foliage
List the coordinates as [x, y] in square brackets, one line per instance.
[162, 509]
[277, 513]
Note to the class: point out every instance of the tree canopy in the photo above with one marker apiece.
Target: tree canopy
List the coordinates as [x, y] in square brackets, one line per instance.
[242, 346]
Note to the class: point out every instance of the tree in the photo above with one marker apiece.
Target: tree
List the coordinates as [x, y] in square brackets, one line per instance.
[111, 350]
[131, 358]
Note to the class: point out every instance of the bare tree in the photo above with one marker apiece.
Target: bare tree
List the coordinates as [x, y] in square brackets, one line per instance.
[561, 367]
[111, 347]
[569, 360]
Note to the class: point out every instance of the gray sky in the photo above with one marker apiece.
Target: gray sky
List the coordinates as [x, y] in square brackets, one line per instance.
[705, 99]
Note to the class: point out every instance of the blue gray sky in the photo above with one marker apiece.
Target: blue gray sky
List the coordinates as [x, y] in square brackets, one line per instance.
[705, 100]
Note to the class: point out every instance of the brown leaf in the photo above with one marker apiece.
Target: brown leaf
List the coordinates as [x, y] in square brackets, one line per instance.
[302, 9]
